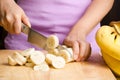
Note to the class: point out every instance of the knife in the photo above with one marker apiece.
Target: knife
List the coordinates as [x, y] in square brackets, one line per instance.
[34, 37]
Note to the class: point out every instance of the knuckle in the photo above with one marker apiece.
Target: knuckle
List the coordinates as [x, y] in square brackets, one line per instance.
[9, 18]
[16, 16]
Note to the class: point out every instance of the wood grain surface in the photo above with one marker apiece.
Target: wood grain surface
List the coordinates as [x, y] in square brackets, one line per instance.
[93, 69]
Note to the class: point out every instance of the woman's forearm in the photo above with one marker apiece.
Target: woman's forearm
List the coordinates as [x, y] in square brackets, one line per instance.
[93, 15]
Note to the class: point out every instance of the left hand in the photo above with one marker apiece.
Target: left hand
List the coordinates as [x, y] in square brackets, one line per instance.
[81, 48]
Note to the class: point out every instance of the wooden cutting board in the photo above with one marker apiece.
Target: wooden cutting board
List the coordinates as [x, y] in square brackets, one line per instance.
[93, 69]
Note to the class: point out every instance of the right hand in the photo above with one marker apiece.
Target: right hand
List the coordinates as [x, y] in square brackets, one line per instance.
[11, 16]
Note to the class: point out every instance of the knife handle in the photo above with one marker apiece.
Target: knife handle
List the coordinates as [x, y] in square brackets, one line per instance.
[25, 29]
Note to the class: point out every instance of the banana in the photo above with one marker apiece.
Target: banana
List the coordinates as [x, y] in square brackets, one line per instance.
[19, 58]
[53, 51]
[55, 61]
[67, 54]
[57, 56]
[113, 63]
[11, 61]
[49, 58]
[116, 24]
[60, 47]
[27, 52]
[64, 46]
[58, 62]
[29, 60]
[52, 41]
[42, 67]
[107, 38]
[29, 64]
[38, 57]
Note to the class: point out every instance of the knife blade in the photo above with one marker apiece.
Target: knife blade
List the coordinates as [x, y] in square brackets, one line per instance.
[34, 37]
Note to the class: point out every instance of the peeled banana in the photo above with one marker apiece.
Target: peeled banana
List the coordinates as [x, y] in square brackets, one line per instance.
[67, 54]
[30, 64]
[58, 62]
[11, 61]
[52, 41]
[57, 56]
[49, 58]
[59, 50]
[55, 61]
[54, 51]
[27, 52]
[19, 58]
[42, 67]
[37, 57]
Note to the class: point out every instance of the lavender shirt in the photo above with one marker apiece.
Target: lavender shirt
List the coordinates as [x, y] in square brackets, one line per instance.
[50, 17]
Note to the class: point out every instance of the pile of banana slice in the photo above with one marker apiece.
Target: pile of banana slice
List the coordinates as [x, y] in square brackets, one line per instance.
[57, 56]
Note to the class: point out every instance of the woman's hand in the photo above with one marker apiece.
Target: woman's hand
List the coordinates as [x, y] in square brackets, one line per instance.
[77, 36]
[81, 48]
[11, 16]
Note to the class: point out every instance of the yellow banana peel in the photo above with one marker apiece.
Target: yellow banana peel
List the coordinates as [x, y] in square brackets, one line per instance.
[113, 63]
[108, 39]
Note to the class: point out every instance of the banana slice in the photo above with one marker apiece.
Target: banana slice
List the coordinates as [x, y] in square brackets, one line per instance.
[55, 61]
[61, 47]
[27, 52]
[50, 58]
[64, 46]
[29, 64]
[53, 51]
[38, 57]
[11, 61]
[29, 60]
[67, 54]
[58, 62]
[43, 67]
[19, 58]
[52, 41]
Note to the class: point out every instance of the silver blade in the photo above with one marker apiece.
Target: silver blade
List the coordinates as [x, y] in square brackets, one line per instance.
[34, 37]
[37, 39]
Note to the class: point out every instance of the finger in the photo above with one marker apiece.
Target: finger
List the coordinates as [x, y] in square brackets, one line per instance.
[17, 26]
[67, 42]
[25, 20]
[9, 25]
[6, 22]
[82, 48]
[76, 50]
[10, 28]
[85, 52]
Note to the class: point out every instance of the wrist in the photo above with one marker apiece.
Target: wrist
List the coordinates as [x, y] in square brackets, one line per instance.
[83, 27]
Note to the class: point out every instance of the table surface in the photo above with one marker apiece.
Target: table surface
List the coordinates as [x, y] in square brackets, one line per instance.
[93, 69]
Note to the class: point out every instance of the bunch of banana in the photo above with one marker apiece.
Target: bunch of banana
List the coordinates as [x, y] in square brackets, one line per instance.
[108, 39]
